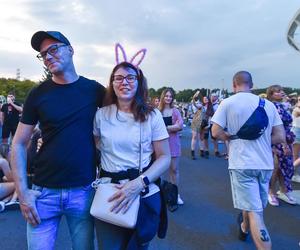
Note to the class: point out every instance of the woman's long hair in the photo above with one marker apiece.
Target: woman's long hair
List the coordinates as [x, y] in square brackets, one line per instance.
[140, 107]
[162, 104]
[209, 107]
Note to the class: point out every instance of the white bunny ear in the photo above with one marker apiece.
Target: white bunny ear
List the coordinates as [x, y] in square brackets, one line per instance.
[142, 54]
[117, 48]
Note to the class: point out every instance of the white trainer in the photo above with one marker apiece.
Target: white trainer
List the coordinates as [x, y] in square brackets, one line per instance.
[287, 197]
[179, 200]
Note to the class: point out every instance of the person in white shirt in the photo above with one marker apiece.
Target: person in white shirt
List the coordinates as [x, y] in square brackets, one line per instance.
[296, 145]
[127, 129]
[250, 161]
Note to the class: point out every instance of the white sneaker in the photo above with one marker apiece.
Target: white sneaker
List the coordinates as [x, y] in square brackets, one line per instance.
[287, 197]
[296, 178]
[179, 200]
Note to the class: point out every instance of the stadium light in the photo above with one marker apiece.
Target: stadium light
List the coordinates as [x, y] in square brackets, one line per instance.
[293, 27]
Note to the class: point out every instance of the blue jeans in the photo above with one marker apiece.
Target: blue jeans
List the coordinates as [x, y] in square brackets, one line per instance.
[75, 204]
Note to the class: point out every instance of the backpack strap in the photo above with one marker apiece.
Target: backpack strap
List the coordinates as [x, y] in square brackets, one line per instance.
[261, 102]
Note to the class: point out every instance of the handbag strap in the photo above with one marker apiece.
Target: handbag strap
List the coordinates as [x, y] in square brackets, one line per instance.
[98, 181]
[141, 150]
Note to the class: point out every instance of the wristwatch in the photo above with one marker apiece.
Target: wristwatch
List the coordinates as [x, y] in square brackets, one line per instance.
[145, 181]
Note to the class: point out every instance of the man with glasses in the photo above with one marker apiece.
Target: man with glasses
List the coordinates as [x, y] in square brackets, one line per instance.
[64, 106]
[9, 117]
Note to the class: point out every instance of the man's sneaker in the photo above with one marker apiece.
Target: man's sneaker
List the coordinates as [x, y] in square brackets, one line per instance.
[287, 197]
[273, 200]
[179, 200]
[241, 234]
[296, 178]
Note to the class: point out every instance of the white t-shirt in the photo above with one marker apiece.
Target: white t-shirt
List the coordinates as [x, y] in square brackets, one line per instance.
[232, 113]
[120, 138]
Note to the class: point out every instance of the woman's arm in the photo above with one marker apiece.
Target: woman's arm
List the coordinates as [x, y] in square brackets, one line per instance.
[178, 122]
[296, 112]
[162, 161]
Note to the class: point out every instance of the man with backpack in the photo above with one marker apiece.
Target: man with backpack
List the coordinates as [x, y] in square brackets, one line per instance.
[253, 124]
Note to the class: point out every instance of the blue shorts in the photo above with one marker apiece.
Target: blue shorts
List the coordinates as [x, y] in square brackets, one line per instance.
[296, 131]
[250, 188]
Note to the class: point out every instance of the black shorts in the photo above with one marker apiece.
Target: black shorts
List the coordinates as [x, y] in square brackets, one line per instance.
[7, 130]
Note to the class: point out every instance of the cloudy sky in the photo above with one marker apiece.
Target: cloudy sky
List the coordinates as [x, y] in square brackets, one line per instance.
[190, 43]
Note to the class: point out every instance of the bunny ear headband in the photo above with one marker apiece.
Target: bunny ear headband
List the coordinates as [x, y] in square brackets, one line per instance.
[135, 60]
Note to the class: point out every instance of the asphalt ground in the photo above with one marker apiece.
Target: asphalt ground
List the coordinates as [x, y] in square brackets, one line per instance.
[207, 220]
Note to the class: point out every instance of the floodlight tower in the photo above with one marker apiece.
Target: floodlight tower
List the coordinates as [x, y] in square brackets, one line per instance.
[293, 30]
[18, 75]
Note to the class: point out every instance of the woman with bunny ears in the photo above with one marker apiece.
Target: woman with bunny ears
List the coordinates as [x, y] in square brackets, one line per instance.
[127, 129]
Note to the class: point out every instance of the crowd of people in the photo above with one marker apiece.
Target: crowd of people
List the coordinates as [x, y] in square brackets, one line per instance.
[10, 112]
[76, 116]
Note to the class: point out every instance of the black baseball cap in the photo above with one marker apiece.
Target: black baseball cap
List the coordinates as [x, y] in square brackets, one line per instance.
[40, 36]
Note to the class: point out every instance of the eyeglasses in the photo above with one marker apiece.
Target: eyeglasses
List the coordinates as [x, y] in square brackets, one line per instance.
[51, 51]
[129, 78]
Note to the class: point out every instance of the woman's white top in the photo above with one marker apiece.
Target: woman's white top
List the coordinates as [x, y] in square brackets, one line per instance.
[296, 120]
[120, 138]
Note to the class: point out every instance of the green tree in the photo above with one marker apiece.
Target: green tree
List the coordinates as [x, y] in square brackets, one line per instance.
[47, 75]
[185, 95]
[21, 88]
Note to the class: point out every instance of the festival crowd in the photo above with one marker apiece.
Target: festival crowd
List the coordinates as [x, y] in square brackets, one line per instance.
[72, 131]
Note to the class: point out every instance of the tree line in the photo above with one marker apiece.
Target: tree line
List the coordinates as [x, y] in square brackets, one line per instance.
[22, 88]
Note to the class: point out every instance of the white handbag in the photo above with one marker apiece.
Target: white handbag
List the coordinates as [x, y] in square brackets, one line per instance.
[100, 208]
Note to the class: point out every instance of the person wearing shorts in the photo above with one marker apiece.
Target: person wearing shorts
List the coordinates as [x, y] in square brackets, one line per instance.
[250, 161]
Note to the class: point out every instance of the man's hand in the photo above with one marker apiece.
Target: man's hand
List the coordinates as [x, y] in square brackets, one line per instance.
[28, 207]
[9, 101]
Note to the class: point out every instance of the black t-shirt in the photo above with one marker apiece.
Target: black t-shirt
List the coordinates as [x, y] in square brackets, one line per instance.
[167, 120]
[11, 115]
[65, 113]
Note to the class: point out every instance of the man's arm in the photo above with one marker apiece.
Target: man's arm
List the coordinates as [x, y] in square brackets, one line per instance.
[17, 107]
[218, 132]
[278, 134]
[18, 163]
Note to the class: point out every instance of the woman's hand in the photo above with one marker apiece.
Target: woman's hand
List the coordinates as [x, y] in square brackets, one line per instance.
[125, 196]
